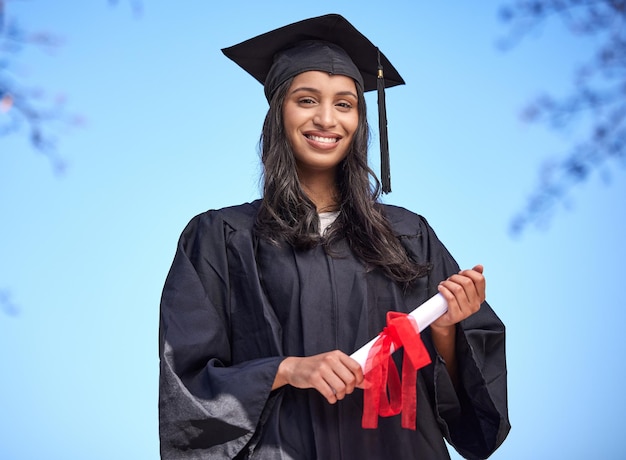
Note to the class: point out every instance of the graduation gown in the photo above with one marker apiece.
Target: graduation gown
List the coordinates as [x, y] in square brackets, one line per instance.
[234, 306]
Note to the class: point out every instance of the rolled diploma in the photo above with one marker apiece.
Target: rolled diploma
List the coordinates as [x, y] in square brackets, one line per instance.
[425, 314]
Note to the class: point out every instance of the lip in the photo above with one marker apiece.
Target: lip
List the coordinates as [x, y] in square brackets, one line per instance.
[322, 141]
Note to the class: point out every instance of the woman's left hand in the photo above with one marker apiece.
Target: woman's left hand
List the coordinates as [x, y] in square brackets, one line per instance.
[464, 292]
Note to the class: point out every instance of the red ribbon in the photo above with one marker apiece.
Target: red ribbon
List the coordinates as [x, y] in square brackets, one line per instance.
[384, 394]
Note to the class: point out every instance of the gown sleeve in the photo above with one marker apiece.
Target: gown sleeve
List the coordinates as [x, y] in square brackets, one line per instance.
[209, 407]
[473, 417]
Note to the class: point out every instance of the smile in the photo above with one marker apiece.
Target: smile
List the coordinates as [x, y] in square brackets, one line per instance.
[325, 140]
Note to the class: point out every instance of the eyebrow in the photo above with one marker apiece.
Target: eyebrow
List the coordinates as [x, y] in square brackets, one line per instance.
[315, 90]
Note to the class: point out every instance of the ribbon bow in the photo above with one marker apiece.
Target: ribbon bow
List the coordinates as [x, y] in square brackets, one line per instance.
[384, 394]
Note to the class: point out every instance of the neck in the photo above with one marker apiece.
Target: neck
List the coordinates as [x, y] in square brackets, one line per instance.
[322, 191]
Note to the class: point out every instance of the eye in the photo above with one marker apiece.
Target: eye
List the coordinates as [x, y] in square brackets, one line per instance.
[306, 101]
[344, 106]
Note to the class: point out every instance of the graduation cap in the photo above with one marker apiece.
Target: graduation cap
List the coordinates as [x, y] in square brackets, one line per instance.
[326, 43]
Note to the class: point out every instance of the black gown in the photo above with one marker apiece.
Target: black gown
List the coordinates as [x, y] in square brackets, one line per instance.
[234, 306]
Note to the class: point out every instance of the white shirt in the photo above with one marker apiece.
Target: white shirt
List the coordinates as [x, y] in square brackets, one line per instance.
[327, 218]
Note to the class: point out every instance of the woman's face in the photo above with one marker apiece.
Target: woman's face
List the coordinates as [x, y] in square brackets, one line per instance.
[320, 117]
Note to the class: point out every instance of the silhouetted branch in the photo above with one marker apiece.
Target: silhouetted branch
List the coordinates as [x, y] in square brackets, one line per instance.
[24, 108]
[598, 95]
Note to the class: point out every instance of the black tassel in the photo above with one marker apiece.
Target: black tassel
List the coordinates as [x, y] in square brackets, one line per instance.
[385, 170]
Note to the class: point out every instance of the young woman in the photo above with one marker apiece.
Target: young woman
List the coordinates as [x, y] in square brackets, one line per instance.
[266, 301]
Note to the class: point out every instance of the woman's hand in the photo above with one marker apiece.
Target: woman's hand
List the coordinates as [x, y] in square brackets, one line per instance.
[333, 374]
[464, 292]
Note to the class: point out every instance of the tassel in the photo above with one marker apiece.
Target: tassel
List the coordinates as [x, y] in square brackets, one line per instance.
[385, 170]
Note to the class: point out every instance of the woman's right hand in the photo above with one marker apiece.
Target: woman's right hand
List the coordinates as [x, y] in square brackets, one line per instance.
[334, 374]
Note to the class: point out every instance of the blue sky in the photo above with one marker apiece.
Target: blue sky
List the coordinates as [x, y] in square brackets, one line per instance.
[171, 130]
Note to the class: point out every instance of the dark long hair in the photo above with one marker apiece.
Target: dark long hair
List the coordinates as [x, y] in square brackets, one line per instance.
[287, 213]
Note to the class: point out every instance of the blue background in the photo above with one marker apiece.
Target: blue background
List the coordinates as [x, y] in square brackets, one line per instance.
[171, 130]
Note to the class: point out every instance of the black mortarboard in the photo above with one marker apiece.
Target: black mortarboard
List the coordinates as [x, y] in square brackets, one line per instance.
[327, 43]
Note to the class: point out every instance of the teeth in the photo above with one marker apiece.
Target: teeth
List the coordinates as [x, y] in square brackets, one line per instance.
[327, 140]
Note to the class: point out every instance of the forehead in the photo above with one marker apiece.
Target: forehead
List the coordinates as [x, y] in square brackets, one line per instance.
[322, 81]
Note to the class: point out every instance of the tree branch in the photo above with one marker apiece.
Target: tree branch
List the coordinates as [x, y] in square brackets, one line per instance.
[598, 97]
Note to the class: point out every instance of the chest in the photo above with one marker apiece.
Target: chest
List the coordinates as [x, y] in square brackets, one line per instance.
[325, 301]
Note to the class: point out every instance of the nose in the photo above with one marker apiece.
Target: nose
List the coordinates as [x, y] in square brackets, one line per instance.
[325, 116]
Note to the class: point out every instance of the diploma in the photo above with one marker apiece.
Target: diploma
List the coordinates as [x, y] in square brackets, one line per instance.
[424, 315]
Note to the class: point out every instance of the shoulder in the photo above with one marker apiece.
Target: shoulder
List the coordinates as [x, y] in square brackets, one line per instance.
[419, 238]
[404, 221]
[215, 226]
[237, 217]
